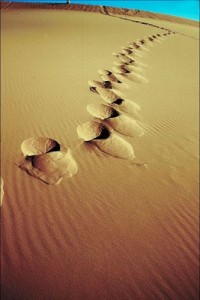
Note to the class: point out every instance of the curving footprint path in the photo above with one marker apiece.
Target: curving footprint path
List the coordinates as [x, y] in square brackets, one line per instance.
[110, 117]
[47, 160]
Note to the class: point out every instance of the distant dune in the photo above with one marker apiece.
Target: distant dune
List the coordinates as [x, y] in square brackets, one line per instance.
[104, 10]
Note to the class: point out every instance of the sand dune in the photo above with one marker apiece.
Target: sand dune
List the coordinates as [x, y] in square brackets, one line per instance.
[125, 226]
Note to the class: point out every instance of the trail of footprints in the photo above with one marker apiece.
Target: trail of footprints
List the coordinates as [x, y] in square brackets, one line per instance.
[47, 160]
[115, 115]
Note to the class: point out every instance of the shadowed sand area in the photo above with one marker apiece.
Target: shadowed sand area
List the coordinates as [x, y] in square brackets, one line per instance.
[115, 230]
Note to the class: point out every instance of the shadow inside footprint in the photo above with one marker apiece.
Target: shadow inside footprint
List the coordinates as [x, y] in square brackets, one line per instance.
[47, 160]
[127, 106]
[105, 84]
[105, 140]
[108, 76]
[130, 73]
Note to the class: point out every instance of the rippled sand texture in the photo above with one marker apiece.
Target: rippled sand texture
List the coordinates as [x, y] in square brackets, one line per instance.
[115, 230]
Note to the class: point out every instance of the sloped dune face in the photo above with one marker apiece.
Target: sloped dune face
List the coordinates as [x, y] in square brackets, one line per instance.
[81, 217]
[47, 160]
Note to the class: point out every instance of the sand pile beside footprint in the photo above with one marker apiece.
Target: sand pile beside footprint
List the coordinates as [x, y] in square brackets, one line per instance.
[47, 160]
[118, 121]
[105, 140]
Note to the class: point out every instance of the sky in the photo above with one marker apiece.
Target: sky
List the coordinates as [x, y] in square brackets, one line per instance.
[187, 9]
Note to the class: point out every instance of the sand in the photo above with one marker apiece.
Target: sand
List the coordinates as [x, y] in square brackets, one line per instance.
[124, 225]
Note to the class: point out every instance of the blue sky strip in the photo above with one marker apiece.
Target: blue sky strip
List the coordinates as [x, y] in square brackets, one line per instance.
[187, 9]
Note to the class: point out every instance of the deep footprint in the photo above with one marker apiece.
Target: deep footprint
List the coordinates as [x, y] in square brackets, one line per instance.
[123, 104]
[108, 76]
[118, 121]
[105, 84]
[131, 75]
[47, 160]
[106, 141]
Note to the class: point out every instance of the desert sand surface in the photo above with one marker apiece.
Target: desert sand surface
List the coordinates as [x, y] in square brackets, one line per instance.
[99, 160]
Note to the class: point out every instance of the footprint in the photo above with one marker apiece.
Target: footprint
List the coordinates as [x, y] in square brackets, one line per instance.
[135, 64]
[156, 39]
[47, 160]
[105, 140]
[108, 75]
[151, 39]
[142, 46]
[149, 42]
[142, 42]
[118, 121]
[159, 37]
[129, 67]
[137, 46]
[108, 95]
[130, 57]
[2, 191]
[106, 84]
[123, 104]
[126, 51]
[102, 111]
[123, 70]
[134, 45]
[126, 106]
[125, 59]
